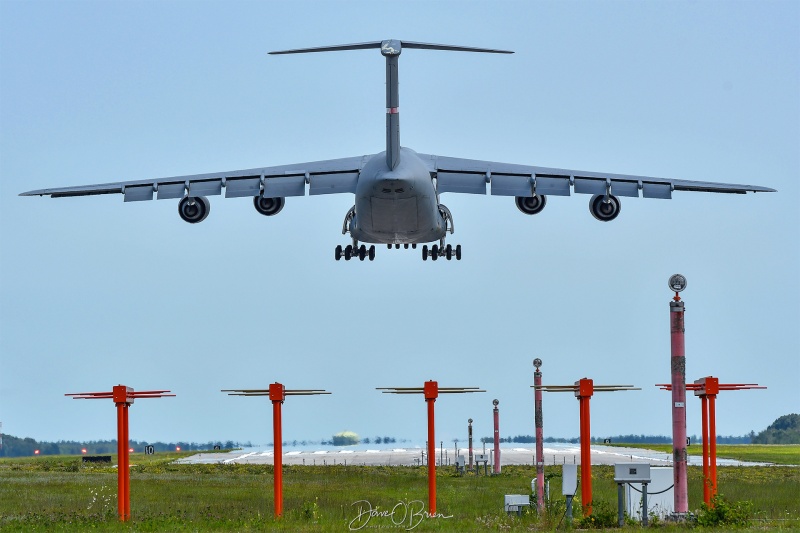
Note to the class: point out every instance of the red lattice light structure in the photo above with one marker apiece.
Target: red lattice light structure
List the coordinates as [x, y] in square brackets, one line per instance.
[431, 391]
[707, 389]
[584, 389]
[123, 398]
[277, 394]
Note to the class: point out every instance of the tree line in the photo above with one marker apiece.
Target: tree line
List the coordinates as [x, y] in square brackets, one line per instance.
[26, 447]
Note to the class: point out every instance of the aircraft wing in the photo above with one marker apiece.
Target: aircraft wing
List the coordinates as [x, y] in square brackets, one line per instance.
[471, 176]
[322, 177]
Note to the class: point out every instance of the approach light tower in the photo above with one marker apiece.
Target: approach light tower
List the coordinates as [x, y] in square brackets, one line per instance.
[539, 423]
[277, 393]
[677, 283]
[431, 391]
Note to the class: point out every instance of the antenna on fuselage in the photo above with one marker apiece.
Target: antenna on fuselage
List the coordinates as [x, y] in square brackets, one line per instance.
[391, 49]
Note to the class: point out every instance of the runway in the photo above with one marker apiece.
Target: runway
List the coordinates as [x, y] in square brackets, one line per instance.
[554, 454]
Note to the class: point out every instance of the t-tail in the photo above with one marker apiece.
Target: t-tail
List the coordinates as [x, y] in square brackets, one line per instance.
[391, 49]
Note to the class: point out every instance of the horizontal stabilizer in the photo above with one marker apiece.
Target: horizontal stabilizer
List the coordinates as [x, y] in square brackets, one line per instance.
[382, 44]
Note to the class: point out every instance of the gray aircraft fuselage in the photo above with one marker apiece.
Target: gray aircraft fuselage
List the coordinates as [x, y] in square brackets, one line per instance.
[399, 205]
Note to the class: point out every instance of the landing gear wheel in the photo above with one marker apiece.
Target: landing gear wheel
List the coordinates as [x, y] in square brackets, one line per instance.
[458, 252]
[397, 246]
[405, 246]
[435, 252]
[448, 252]
[338, 252]
[425, 252]
[372, 253]
[414, 246]
[348, 252]
[362, 252]
[389, 246]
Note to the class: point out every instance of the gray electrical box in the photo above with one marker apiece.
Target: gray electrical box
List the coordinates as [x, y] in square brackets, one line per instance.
[569, 479]
[515, 503]
[632, 473]
[481, 457]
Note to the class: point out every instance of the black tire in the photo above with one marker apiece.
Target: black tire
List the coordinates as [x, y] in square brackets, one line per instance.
[458, 252]
[389, 246]
[448, 252]
[372, 253]
[425, 252]
[405, 246]
[435, 252]
[362, 252]
[348, 252]
[338, 252]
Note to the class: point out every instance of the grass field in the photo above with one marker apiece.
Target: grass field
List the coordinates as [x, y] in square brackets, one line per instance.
[59, 494]
[783, 454]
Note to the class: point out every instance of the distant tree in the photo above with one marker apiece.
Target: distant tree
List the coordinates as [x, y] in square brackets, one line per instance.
[378, 440]
[345, 438]
[785, 430]
[366, 440]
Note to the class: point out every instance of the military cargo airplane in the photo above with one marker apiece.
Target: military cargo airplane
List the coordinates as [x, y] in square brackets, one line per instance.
[397, 192]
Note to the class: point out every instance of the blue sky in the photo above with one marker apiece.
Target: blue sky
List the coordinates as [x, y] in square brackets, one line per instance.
[94, 292]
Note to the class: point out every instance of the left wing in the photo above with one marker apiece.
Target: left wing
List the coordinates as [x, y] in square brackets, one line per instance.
[322, 177]
[471, 176]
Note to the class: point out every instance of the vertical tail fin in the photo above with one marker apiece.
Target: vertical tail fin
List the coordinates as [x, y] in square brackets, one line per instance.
[391, 49]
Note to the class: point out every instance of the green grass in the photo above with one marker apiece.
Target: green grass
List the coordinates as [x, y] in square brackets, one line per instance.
[55, 494]
[781, 454]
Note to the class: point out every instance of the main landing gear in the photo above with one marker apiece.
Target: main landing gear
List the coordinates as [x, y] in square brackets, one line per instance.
[355, 251]
[436, 251]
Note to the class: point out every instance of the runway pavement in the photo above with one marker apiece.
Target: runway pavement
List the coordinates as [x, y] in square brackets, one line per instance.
[412, 456]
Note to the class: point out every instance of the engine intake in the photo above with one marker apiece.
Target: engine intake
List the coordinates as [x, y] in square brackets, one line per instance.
[268, 206]
[194, 209]
[531, 205]
[602, 210]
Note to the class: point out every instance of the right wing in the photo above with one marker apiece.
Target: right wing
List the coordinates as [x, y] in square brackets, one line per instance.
[322, 177]
[471, 176]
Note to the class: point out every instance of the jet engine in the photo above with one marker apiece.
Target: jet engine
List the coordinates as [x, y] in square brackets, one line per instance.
[604, 208]
[268, 206]
[531, 205]
[194, 209]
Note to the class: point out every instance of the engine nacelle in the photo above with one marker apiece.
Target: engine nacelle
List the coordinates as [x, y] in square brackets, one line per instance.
[531, 205]
[194, 209]
[268, 206]
[603, 210]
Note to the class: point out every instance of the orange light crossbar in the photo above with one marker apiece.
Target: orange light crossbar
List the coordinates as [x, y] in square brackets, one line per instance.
[123, 398]
[707, 389]
[277, 393]
[431, 390]
[583, 390]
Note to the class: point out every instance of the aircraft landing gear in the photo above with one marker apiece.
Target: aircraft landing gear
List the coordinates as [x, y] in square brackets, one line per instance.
[440, 250]
[355, 251]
